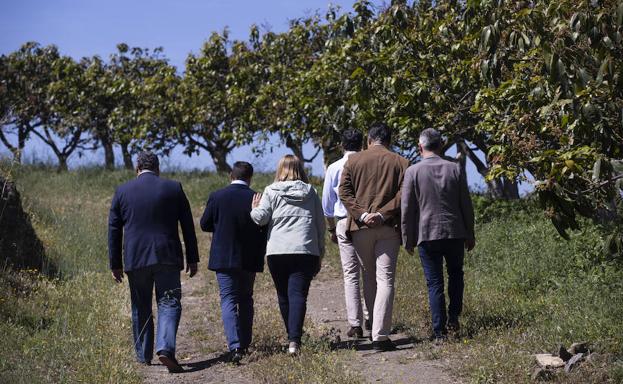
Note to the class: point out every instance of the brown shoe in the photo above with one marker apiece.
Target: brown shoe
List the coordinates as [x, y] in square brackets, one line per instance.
[168, 361]
[356, 332]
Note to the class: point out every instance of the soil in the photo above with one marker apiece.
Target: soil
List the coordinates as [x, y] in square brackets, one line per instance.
[207, 363]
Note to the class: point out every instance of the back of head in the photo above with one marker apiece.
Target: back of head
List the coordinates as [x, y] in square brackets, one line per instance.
[290, 168]
[242, 171]
[380, 133]
[147, 161]
[352, 140]
[431, 140]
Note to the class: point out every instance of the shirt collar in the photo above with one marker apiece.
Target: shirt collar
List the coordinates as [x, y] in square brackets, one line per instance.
[145, 171]
[240, 182]
[348, 153]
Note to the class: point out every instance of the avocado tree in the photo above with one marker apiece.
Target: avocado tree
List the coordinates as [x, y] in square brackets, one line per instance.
[553, 103]
[25, 76]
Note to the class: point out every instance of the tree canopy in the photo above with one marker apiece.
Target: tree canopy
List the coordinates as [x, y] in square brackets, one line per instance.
[535, 85]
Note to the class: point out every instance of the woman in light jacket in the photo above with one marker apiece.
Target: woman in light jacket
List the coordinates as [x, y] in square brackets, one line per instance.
[291, 208]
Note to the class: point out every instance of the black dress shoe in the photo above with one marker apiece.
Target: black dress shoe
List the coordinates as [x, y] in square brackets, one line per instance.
[236, 355]
[383, 345]
[355, 332]
[169, 361]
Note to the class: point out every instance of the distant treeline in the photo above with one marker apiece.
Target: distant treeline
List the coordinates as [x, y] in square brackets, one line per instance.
[535, 85]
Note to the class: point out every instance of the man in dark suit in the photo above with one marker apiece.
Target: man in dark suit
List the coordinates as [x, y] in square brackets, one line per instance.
[147, 210]
[236, 254]
[370, 191]
[438, 218]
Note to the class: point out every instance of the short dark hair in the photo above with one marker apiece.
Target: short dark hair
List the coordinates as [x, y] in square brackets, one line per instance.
[147, 161]
[380, 132]
[242, 171]
[352, 140]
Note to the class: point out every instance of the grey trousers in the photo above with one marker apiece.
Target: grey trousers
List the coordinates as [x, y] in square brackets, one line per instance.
[351, 269]
[377, 249]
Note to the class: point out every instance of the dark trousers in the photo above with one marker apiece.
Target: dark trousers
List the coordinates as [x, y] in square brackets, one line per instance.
[236, 289]
[166, 280]
[432, 254]
[292, 275]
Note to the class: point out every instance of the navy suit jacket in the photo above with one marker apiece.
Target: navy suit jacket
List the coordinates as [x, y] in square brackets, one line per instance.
[147, 211]
[237, 242]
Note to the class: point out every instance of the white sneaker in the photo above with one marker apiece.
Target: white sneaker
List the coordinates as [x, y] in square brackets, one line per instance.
[293, 348]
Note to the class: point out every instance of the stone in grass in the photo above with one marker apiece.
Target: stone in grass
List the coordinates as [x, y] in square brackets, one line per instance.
[563, 353]
[573, 362]
[576, 348]
[546, 360]
[542, 374]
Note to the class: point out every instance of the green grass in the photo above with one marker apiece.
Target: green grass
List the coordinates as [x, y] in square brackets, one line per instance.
[526, 291]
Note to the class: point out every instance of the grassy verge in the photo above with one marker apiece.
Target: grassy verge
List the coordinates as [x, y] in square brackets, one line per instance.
[527, 290]
[71, 327]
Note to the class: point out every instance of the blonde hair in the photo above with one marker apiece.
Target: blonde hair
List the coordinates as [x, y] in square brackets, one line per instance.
[290, 168]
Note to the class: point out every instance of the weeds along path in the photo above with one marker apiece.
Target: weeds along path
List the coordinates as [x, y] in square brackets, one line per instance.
[326, 306]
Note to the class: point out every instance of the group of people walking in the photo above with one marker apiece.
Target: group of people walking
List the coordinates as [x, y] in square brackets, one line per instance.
[372, 201]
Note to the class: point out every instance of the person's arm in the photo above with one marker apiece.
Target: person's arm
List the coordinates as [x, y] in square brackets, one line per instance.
[263, 212]
[391, 209]
[409, 212]
[188, 232]
[348, 195]
[207, 219]
[115, 237]
[467, 209]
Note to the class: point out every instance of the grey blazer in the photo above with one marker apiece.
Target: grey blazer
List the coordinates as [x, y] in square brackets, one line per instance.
[435, 202]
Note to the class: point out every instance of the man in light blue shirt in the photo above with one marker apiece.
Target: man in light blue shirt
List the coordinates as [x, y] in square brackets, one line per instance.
[336, 213]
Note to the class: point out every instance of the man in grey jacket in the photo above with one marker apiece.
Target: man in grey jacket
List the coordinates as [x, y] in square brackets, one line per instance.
[437, 217]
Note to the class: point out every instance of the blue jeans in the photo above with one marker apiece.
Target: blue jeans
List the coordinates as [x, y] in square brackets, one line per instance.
[292, 275]
[166, 279]
[236, 289]
[432, 254]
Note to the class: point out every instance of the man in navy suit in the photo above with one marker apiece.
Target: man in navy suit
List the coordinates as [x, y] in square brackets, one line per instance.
[147, 210]
[236, 254]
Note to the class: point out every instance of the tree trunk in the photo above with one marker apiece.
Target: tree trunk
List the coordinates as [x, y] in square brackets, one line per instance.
[62, 163]
[219, 156]
[330, 152]
[109, 153]
[21, 144]
[501, 188]
[295, 146]
[127, 157]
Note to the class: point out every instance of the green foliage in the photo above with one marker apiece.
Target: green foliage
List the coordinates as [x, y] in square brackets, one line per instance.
[536, 86]
[526, 292]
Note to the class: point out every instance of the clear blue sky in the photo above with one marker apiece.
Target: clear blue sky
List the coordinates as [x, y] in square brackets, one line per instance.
[89, 27]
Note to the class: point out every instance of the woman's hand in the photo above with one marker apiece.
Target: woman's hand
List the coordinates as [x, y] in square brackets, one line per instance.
[256, 200]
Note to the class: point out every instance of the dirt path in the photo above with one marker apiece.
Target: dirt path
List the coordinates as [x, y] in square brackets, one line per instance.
[326, 306]
[201, 343]
[200, 340]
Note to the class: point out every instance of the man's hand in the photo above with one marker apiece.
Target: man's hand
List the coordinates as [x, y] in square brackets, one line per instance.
[117, 274]
[373, 220]
[410, 251]
[256, 200]
[470, 244]
[191, 269]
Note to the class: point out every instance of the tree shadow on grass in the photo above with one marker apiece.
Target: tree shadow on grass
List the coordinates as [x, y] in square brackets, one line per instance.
[20, 246]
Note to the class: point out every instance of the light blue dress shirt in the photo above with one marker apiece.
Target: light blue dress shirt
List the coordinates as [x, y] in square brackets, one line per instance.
[331, 203]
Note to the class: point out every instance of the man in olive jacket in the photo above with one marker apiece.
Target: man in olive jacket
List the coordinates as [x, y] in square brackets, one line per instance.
[370, 190]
